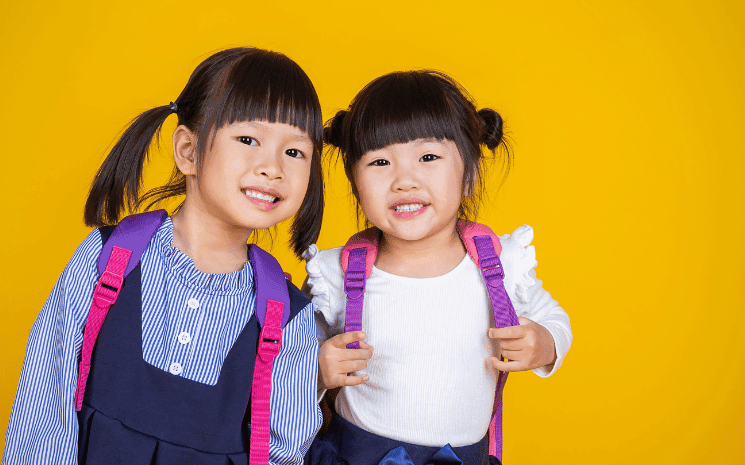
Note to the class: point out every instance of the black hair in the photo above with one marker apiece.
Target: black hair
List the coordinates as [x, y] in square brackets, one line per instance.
[238, 84]
[404, 106]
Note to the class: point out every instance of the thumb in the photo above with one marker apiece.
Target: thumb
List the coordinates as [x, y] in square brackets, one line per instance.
[524, 321]
[341, 340]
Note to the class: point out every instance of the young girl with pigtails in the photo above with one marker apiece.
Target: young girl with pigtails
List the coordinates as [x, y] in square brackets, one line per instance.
[167, 339]
[421, 316]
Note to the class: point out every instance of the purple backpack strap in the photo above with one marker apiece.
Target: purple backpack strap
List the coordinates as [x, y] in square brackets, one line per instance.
[483, 247]
[119, 256]
[272, 312]
[357, 260]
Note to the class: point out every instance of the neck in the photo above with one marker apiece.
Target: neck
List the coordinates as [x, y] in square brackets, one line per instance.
[214, 245]
[424, 258]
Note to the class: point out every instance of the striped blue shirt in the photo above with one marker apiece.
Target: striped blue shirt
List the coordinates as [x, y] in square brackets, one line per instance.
[190, 320]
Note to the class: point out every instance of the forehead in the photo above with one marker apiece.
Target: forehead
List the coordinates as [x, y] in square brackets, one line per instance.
[286, 131]
[416, 145]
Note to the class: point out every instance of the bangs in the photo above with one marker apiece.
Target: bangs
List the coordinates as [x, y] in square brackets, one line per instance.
[268, 86]
[405, 107]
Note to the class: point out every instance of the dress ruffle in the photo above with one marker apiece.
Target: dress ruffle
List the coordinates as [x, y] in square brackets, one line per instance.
[112, 443]
[183, 266]
[518, 258]
[319, 287]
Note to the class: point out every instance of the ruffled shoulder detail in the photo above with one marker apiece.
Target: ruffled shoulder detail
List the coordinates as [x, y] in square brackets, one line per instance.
[324, 279]
[518, 259]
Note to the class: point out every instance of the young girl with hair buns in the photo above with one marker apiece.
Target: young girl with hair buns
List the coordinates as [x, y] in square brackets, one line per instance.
[178, 352]
[421, 316]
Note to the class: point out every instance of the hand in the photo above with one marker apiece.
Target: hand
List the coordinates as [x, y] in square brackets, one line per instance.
[527, 346]
[335, 360]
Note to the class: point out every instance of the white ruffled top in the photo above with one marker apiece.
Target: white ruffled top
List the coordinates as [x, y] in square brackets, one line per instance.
[431, 382]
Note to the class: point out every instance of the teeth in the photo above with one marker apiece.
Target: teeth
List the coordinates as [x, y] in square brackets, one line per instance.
[408, 207]
[261, 196]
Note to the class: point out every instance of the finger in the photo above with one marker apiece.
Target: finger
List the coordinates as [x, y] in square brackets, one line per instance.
[524, 321]
[510, 332]
[365, 345]
[353, 354]
[352, 366]
[341, 340]
[510, 366]
[354, 380]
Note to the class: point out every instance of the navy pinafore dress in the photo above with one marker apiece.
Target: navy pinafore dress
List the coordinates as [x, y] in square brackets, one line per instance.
[136, 414]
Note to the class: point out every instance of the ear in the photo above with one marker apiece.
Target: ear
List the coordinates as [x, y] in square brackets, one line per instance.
[185, 150]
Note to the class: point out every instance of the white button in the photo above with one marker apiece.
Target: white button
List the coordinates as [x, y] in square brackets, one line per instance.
[175, 368]
[184, 338]
[193, 303]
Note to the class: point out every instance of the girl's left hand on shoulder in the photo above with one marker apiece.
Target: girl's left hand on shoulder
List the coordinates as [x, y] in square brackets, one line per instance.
[524, 347]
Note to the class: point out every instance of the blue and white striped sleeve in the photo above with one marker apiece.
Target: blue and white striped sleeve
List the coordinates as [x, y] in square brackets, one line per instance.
[43, 426]
[295, 415]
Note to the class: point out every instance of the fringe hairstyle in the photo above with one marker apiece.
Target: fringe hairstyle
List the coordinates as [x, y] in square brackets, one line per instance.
[404, 106]
[238, 84]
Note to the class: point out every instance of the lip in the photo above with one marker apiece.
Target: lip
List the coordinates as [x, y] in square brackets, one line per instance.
[265, 204]
[408, 202]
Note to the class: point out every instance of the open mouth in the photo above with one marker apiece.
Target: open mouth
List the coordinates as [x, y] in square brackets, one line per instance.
[409, 208]
[261, 196]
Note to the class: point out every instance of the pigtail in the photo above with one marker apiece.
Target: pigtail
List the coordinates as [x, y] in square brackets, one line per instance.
[306, 226]
[333, 133]
[119, 179]
[491, 123]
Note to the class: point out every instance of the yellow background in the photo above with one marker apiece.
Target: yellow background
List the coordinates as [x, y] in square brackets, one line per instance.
[627, 120]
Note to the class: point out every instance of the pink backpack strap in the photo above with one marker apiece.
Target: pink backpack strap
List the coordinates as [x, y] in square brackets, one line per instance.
[119, 256]
[357, 260]
[272, 312]
[484, 248]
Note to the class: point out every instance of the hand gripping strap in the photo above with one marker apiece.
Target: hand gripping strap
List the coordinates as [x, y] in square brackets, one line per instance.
[357, 260]
[272, 312]
[119, 256]
[484, 248]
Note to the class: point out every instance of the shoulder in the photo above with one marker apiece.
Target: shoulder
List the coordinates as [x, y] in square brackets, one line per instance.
[519, 259]
[325, 283]
[298, 301]
[85, 258]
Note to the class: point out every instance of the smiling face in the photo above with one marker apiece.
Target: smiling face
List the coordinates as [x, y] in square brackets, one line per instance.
[411, 191]
[255, 174]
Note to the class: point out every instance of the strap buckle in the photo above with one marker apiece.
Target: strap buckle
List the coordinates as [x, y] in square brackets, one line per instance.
[270, 341]
[107, 289]
[354, 284]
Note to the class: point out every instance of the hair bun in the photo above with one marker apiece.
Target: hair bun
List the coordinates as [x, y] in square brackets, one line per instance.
[332, 133]
[491, 123]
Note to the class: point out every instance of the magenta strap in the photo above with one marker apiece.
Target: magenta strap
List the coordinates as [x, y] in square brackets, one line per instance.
[504, 315]
[270, 342]
[104, 295]
[354, 287]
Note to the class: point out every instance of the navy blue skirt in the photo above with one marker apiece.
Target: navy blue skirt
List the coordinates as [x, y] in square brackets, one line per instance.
[347, 444]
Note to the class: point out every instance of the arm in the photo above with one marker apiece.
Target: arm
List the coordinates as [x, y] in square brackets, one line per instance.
[296, 416]
[543, 338]
[43, 426]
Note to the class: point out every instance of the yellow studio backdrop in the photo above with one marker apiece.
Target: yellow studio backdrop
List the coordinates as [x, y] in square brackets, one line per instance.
[627, 126]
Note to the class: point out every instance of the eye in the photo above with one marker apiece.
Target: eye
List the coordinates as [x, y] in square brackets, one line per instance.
[380, 162]
[248, 140]
[295, 153]
[429, 157]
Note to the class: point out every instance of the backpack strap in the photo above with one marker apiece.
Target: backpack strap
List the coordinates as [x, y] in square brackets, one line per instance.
[119, 256]
[483, 247]
[272, 312]
[357, 260]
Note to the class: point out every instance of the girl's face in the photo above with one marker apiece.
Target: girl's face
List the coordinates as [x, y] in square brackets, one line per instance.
[411, 191]
[255, 174]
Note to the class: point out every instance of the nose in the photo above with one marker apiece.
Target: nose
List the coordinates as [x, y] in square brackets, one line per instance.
[405, 179]
[269, 165]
